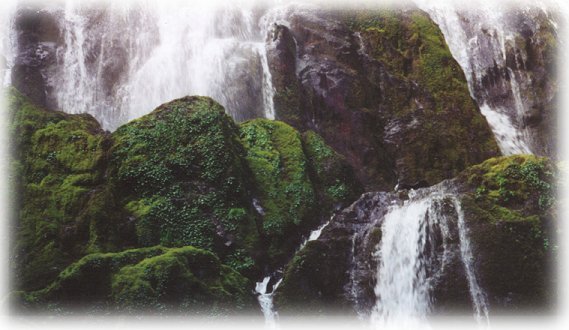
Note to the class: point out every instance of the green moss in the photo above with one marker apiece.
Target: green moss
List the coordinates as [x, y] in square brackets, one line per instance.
[182, 175]
[331, 173]
[187, 278]
[280, 170]
[58, 161]
[165, 280]
[516, 182]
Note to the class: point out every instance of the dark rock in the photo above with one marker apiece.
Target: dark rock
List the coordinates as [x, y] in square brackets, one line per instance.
[374, 98]
[508, 206]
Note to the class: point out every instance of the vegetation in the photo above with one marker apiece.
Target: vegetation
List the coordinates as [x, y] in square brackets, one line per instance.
[452, 134]
[296, 176]
[510, 209]
[156, 280]
[56, 165]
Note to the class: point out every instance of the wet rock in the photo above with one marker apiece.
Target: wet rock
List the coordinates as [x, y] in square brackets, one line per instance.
[377, 102]
[508, 209]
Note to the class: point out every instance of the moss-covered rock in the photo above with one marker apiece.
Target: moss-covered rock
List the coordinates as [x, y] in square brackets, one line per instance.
[180, 172]
[57, 164]
[298, 180]
[382, 88]
[441, 131]
[510, 208]
[156, 280]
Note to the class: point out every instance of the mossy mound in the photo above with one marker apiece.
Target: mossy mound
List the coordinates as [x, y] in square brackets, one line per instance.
[155, 280]
[296, 177]
[185, 174]
[180, 172]
[57, 164]
[510, 208]
[276, 157]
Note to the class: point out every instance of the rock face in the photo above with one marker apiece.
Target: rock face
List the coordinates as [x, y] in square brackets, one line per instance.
[509, 58]
[381, 88]
[510, 209]
[184, 175]
[37, 38]
[506, 204]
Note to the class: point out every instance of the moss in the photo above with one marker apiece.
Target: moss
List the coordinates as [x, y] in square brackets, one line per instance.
[157, 278]
[58, 161]
[331, 173]
[181, 172]
[280, 169]
[452, 133]
[516, 182]
[187, 278]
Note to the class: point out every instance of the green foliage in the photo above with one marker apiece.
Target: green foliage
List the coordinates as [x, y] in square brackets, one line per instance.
[275, 155]
[182, 173]
[331, 173]
[514, 182]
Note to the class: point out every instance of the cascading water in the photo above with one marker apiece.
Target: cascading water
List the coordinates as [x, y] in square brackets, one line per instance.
[489, 40]
[119, 60]
[265, 299]
[409, 264]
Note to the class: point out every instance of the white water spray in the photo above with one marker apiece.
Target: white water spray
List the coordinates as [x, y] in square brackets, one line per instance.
[120, 60]
[265, 299]
[479, 36]
[409, 265]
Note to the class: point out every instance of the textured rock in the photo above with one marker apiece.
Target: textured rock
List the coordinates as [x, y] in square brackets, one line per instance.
[381, 88]
[508, 207]
[510, 210]
[37, 38]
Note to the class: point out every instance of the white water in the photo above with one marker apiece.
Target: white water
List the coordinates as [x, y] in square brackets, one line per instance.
[409, 266]
[7, 39]
[266, 301]
[120, 60]
[314, 235]
[476, 293]
[478, 36]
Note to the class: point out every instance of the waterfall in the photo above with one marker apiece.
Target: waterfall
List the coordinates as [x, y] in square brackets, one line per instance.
[483, 38]
[119, 60]
[476, 293]
[412, 256]
[265, 299]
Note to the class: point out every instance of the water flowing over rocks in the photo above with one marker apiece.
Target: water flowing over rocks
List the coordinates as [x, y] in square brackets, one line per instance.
[409, 255]
[338, 162]
[509, 57]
